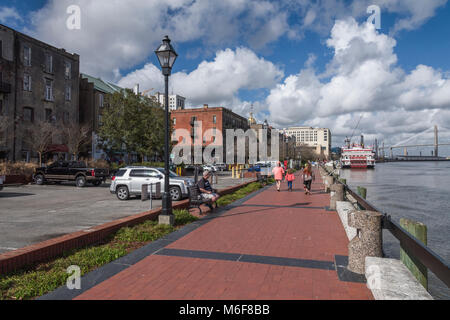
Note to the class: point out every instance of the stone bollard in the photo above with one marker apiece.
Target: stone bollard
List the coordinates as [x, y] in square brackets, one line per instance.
[337, 194]
[329, 181]
[368, 242]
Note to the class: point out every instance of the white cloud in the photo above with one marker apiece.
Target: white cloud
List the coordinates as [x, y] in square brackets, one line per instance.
[363, 77]
[9, 16]
[214, 82]
[123, 34]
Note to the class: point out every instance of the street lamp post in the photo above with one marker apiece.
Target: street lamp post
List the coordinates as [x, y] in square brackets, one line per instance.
[166, 56]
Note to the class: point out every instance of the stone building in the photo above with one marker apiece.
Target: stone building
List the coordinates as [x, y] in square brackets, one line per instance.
[39, 82]
[318, 140]
[176, 102]
[93, 99]
[286, 142]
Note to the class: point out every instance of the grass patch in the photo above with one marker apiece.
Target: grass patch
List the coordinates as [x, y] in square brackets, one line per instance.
[239, 194]
[40, 279]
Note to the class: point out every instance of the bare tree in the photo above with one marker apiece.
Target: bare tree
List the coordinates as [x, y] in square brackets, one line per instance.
[39, 137]
[76, 136]
[308, 153]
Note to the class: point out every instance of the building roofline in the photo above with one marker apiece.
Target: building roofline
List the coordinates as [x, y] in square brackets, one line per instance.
[209, 109]
[62, 51]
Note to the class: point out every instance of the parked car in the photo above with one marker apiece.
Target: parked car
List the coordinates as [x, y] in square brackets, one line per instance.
[221, 167]
[77, 171]
[128, 182]
[2, 179]
[210, 168]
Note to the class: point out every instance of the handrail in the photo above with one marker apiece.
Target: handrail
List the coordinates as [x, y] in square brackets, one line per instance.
[409, 243]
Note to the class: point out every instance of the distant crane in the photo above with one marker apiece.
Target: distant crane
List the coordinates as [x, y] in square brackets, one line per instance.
[347, 140]
[147, 91]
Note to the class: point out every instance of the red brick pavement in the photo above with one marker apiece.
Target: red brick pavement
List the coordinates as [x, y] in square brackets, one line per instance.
[301, 233]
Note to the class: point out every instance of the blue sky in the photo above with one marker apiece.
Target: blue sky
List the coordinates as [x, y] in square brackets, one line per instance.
[293, 60]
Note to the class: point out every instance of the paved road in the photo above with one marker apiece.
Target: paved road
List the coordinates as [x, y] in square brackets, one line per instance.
[32, 214]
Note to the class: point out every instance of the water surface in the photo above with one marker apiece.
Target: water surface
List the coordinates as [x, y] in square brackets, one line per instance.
[419, 191]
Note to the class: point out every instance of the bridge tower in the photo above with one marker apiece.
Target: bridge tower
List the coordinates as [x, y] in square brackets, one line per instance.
[436, 142]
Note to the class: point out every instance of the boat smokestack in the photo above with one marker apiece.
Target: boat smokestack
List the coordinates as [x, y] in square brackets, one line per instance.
[362, 141]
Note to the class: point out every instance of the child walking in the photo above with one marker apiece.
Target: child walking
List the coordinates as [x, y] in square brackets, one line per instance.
[290, 178]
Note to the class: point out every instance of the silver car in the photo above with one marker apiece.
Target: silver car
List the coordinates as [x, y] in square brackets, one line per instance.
[128, 182]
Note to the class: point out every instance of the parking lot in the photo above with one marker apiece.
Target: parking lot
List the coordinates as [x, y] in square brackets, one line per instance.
[32, 214]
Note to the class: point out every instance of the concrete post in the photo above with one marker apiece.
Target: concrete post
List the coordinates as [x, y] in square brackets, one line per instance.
[329, 181]
[337, 194]
[368, 242]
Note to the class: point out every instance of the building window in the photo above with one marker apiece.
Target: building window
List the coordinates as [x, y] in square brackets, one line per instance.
[68, 70]
[28, 114]
[214, 119]
[100, 120]
[48, 90]
[174, 121]
[49, 63]
[66, 118]
[48, 115]
[68, 93]
[26, 82]
[27, 56]
[101, 100]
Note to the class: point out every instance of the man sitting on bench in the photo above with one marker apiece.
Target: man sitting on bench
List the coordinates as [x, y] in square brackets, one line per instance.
[207, 192]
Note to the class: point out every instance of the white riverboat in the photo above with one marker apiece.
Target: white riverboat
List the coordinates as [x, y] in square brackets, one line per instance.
[357, 156]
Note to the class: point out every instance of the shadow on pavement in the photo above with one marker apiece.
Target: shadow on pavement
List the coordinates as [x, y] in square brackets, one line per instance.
[15, 195]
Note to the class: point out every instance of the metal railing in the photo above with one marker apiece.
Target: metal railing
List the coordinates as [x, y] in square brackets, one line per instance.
[409, 243]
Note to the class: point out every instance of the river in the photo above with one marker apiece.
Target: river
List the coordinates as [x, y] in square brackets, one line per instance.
[419, 191]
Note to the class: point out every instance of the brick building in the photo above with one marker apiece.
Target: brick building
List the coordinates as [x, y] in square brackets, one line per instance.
[216, 119]
[38, 82]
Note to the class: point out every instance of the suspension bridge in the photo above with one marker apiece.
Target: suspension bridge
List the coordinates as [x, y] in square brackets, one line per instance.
[420, 140]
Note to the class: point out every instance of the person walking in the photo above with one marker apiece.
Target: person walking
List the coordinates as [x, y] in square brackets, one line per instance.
[290, 178]
[308, 177]
[278, 173]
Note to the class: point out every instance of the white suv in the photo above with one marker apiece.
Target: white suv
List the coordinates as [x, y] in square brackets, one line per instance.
[128, 182]
[2, 178]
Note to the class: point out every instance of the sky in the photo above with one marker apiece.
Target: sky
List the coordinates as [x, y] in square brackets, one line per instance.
[293, 62]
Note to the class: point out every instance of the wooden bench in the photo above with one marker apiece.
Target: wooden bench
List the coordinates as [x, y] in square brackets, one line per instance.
[196, 200]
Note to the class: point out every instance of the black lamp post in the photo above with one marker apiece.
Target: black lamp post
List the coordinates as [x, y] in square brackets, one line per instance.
[166, 56]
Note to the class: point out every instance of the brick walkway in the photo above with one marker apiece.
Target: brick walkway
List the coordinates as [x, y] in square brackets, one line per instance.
[278, 246]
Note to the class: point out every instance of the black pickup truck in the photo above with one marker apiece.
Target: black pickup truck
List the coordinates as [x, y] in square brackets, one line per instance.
[77, 171]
